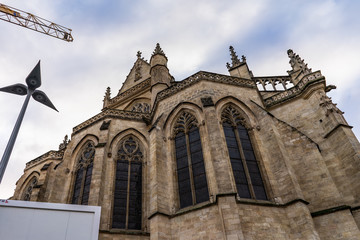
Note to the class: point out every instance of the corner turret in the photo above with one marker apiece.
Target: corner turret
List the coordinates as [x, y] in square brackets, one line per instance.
[160, 76]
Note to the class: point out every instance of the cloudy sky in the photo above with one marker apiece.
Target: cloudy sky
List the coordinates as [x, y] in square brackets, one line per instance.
[195, 35]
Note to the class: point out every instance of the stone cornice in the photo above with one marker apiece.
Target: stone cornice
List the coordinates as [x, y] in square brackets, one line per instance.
[130, 92]
[294, 91]
[207, 76]
[111, 113]
[53, 155]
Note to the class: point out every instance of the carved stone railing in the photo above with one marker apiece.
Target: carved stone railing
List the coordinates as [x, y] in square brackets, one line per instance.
[271, 83]
[138, 87]
[294, 91]
[112, 113]
[58, 155]
[213, 77]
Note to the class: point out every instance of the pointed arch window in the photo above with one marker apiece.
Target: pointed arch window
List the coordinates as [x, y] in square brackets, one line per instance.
[28, 190]
[83, 173]
[128, 185]
[244, 165]
[191, 174]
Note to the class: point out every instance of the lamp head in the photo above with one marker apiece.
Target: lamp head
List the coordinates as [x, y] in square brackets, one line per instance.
[33, 80]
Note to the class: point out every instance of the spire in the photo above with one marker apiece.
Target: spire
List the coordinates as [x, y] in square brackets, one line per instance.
[158, 50]
[107, 97]
[235, 61]
[297, 63]
[107, 93]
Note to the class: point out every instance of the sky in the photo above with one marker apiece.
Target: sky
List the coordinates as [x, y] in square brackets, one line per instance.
[195, 36]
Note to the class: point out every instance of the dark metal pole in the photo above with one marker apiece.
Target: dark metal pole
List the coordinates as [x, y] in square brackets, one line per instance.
[10, 145]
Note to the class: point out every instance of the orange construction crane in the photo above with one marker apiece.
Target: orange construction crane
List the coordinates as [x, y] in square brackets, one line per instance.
[35, 23]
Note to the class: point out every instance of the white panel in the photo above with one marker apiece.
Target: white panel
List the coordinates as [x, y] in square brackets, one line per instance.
[49, 224]
[21, 220]
[15, 223]
[80, 226]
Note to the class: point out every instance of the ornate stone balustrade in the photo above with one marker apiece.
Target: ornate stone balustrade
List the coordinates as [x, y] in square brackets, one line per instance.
[294, 91]
[270, 83]
[49, 155]
[111, 113]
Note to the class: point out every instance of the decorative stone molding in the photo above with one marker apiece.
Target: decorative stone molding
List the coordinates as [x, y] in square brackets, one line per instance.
[141, 107]
[294, 91]
[197, 77]
[57, 155]
[135, 89]
[111, 113]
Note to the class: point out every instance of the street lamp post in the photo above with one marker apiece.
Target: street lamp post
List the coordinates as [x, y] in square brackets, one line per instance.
[33, 81]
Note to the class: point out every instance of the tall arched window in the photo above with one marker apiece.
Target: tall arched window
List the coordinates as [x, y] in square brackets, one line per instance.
[83, 174]
[191, 174]
[245, 168]
[128, 185]
[28, 190]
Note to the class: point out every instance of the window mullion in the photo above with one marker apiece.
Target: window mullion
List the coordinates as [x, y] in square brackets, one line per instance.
[128, 197]
[190, 168]
[82, 185]
[243, 160]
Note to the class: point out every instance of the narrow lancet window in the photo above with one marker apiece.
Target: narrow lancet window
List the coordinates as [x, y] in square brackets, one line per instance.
[191, 174]
[245, 167]
[128, 185]
[83, 174]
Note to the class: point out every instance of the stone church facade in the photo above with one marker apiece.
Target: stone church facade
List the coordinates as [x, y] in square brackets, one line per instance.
[210, 157]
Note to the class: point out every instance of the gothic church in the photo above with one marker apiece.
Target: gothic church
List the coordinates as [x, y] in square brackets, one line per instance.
[212, 156]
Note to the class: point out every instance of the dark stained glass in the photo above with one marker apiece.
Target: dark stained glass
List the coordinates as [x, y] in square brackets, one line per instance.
[198, 167]
[86, 191]
[83, 175]
[191, 174]
[241, 152]
[254, 171]
[77, 186]
[120, 195]
[127, 212]
[236, 162]
[135, 196]
[183, 174]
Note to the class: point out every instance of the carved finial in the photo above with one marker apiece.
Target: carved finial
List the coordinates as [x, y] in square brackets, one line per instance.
[64, 143]
[138, 54]
[235, 61]
[297, 63]
[107, 97]
[158, 50]
[108, 93]
[234, 58]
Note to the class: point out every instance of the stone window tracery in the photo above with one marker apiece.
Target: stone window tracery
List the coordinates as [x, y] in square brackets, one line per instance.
[28, 190]
[244, 165]
[191, 175]
[141, 107]
[83, 173]
[127, 209]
